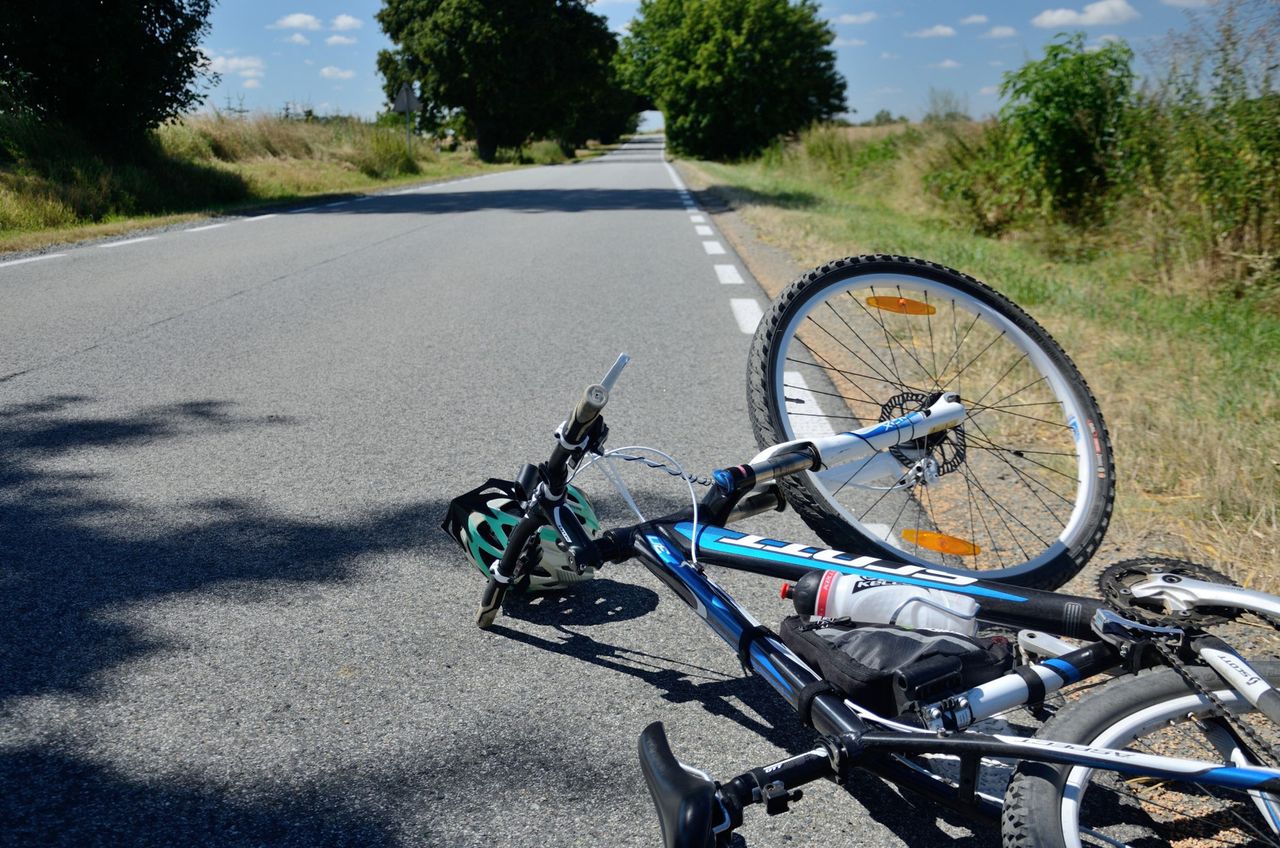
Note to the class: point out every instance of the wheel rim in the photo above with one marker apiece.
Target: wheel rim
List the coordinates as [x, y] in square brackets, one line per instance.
[1192, 815]
[934, 337]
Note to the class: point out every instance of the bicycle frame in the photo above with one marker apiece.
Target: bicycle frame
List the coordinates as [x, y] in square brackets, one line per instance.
[676, 550]
[665, 546]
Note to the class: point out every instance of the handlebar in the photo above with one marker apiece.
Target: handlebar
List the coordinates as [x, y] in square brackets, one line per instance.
[544, 507]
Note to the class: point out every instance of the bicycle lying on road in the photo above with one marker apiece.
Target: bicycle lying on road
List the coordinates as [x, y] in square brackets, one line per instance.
[944, 507]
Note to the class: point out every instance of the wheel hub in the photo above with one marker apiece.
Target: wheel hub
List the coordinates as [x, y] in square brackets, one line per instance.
[944, 449]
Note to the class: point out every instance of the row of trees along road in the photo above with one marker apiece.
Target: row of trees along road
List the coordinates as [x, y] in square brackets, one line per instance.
[729, 75]
[510, 69]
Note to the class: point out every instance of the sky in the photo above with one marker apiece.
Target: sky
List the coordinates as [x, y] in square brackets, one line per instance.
[322, 53]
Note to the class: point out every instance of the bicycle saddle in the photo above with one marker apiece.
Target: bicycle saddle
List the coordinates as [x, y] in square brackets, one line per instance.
[685, 798]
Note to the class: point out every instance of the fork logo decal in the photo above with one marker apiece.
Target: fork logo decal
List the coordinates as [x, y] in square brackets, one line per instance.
[828, 555]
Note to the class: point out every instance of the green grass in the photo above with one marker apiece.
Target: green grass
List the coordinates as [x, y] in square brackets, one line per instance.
[1189, 381]
[54, 188]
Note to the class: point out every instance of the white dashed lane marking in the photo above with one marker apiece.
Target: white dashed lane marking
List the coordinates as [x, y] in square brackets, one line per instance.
[728, 275]
[30, 259]
[697, 219]
[128, 241]
[713, 248]
[703, 231]
[746, 312]
[810, 424]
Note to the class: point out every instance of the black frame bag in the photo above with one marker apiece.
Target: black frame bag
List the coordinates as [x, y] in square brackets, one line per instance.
[889, 669]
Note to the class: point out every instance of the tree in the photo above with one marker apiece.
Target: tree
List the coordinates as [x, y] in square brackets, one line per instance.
[730, 76]
[515, 68]
[109, 70]
[1067, 112]
[945, 107]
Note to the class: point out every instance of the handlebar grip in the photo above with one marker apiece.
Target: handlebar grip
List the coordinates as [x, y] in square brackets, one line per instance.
[585, 413]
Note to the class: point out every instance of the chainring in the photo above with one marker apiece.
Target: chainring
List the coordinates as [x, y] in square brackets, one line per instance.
[1115, 582]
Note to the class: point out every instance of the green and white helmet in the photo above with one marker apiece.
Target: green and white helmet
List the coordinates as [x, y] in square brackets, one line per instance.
[483, 520]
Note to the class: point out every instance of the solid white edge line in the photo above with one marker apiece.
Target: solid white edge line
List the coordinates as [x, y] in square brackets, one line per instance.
[703, 230]
[30, 259]
[336, 203]
[128, 241]
[262, 217]
[713, 248]
[205, 227]
[675, 178]
[304, 209]
[746, 312]
[729, 275]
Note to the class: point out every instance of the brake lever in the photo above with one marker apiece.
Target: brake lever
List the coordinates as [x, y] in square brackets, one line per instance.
[615, 372]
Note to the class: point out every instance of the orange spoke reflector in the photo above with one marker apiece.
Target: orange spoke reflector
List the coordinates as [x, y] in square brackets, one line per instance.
[902, 305]
[941, 542]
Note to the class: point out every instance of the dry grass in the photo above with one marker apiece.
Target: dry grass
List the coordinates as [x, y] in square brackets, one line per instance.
[1189, 384]
[54, 189]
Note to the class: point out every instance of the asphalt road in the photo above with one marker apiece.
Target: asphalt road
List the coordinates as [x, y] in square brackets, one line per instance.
[227, 614]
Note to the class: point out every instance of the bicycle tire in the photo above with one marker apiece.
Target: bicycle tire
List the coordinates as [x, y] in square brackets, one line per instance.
[1055, 506]
[1155, 711]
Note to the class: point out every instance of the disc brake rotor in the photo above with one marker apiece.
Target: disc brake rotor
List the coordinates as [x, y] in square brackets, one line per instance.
[945, 447]
[1116, 584]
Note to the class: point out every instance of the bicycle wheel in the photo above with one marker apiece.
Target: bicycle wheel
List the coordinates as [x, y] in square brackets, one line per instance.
[1022, 490]
[1156, 712]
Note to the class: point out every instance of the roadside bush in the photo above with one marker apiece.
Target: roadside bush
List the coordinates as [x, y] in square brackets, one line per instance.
[979, 173]
[384, 155]
[841, 154]
[545, 153]
[1066, 113]
[1206, 144]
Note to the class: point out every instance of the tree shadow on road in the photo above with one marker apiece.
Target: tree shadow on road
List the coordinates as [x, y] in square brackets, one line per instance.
[73, 553]
[913, 820]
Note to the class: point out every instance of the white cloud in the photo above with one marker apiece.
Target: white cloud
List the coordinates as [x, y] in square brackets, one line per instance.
[253, 83]
[988, 89]
[345, 22]
[974, 19]
[1000, 32]
[849, 42]
[1103, 39]
[298, 38]
[297, 20]
[335, 40]
[1101, 13]
[938, 31]
[947, 63]
[241, 66]
[856, 18]
[888, 55]
[330, 72]
[1188, 4]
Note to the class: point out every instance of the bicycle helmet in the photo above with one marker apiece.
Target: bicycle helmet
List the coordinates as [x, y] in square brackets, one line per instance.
[482, 521]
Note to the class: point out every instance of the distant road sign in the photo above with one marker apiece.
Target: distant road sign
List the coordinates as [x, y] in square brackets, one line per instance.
[406, 100]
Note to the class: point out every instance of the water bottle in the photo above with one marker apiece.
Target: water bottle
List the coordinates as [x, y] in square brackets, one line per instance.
[830, 594]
